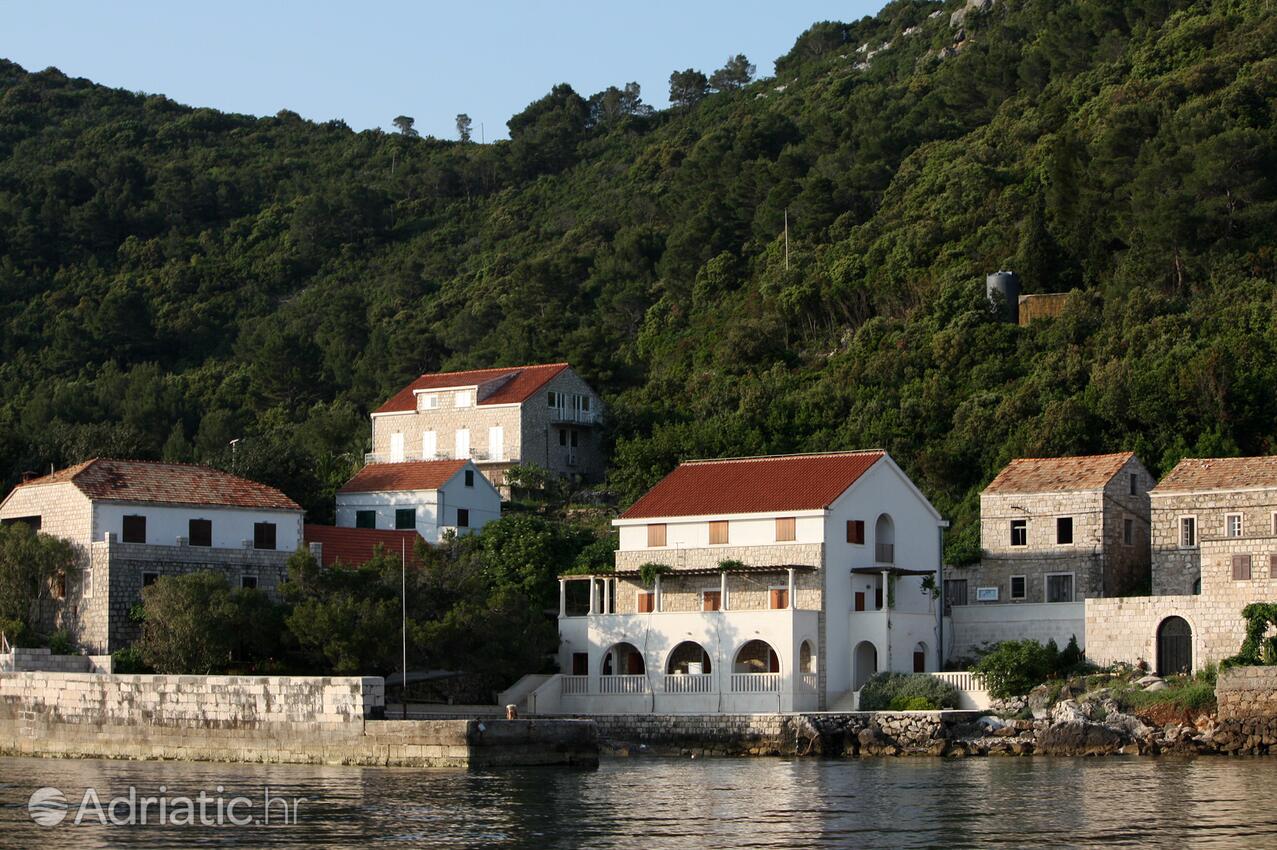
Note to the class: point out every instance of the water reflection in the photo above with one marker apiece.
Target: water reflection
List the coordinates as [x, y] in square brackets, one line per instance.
[700, 804]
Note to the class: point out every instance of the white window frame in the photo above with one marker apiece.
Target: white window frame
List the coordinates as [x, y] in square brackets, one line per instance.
[1180, 528]
[428, 401]
[1011, 587]
[1228, 521]
[429, 445]
[1011, 535]
[1046, 587]
[461, 398]
[1072, 530]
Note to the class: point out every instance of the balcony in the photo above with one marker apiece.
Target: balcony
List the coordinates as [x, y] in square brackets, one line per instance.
[755, 683]
[885, 553]
[567, 415]
[627, 684]
[689, 683]
[476, 455]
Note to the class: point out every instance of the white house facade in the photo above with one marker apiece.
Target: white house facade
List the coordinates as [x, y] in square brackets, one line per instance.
[430, 497]
[754, 585]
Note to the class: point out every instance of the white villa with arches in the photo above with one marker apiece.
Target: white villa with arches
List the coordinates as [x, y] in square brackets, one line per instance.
[754, 585]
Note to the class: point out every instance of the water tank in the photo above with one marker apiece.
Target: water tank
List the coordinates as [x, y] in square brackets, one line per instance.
[1003, 289]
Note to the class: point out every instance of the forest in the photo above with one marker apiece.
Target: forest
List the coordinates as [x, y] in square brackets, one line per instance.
[173, 277]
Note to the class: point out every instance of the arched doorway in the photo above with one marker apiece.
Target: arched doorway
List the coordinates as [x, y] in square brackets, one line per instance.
[1174, 646]
[806, 658]
[865, 661]
[688, 657]
[623, 659]
[756, 656]
[920, 658]
[885, 539]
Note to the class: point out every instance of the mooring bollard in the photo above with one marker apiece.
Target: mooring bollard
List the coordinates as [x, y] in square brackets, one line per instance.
[512, 712]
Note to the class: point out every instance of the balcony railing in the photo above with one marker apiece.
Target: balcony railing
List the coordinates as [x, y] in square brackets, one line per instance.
[575, 685]
[885, 553]
[475, 454]
[568, 414]
[808, 682]
[627, 684]
[689, 683]
[755, 683]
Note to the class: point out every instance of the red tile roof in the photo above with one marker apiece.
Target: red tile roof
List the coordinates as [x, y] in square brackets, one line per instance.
[167, 483]
[1219, 473]
[356, 546]
[1054, 474]
[754, 485]
[521, 382]
[410, 475]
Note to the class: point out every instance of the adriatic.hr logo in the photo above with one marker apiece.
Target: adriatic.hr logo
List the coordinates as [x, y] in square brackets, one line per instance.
[49, 807]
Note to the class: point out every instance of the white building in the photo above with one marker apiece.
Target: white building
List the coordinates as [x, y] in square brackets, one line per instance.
[134, 521]
[432, 496]
[753, 585]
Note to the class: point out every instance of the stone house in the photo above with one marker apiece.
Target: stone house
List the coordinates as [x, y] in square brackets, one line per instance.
[432, 497]
[1060, 530]
[755, 584]
[1214, 551]
[543, 415]
[135, 521]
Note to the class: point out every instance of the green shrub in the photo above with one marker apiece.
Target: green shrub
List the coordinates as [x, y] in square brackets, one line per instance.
[60, 643]
[128, 660]
[912, 704]
[1015, 667]
[883, 689]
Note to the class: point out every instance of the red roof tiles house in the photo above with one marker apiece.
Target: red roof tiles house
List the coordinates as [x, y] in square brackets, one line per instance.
[1220, 473]
[515, 384]
[410, 475]
[356, 546]
[1055, 474]
[106, 480]
[754, 485]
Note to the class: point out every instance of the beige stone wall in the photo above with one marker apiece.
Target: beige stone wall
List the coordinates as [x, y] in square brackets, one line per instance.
[541, 433]
[445, 421]
[1246, 693]
[700, 557]
[744, 592]
[1176, 569]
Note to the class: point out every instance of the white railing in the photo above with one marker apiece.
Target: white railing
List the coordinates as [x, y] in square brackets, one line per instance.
[574, 685]
[567, 414]
[963, 680]
[755, 683]
[885, 553]
[808, 681]
[627, 684]
[689, 683]
[378, 457]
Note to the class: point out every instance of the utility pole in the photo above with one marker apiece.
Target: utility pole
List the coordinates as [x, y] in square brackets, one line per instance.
[481, 139]
[786, 238]
[403, 591]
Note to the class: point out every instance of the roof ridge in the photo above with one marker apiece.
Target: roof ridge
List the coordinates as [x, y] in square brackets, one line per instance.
[495, 369]
[749, 458]
[1073, 457]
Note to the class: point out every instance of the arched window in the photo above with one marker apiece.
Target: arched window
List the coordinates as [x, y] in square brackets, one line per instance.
[920, 658]
[756, 656]
[623, 659]
[806, 658]
[688, 657]
[885, 540]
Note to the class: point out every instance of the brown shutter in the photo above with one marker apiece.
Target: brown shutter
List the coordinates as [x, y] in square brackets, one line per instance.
[646, 600]
[718, 532]
[1241, 568]
[656, 535]
[860, 600]
[779, 598]
[786, 528]
[712, 600]
[856, 531]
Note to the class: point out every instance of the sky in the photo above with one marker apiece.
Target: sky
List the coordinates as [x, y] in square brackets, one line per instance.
[366, 63]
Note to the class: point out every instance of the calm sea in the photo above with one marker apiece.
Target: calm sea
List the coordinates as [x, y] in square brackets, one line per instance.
[658, 803]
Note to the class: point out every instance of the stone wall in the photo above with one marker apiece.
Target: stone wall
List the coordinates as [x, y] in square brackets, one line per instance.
[1127, 566]
[23, 660]
[1246, 692]
[700, 557]
[972, 626]
[260, 719]
[745, 591]
[1176, 568]
[779, 734]
[541, 433]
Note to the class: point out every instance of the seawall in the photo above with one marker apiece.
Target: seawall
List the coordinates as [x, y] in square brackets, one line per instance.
[304, 720]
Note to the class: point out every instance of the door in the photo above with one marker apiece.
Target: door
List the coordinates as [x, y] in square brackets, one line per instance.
[1174, 646]
[429, 445]
[396, 447]
[463, 443]
[496, 443]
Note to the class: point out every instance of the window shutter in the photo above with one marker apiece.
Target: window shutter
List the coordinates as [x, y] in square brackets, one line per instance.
[718, 532]
[712, 600]
[856, 531]
[779, 598]
[655, 535]
[645, 600]
[786, 528]
[1241, 568]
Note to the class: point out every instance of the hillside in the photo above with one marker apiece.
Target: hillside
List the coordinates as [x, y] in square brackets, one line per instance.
[272, 278]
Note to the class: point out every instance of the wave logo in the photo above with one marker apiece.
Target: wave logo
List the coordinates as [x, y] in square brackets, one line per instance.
[47, 806]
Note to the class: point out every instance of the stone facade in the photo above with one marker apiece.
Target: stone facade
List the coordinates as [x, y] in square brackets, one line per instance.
[531, 432]
[1101, 558]
[41, 659]
[261, 719]
[1244, 693]
[745, 591]
[1177, 568]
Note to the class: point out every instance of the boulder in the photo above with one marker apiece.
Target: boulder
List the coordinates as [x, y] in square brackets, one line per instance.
[990, 722]
[1067, 711]
[1039, 702]
[1079, 738]
[1145, 681]
[1159, 685]
[873, 743]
